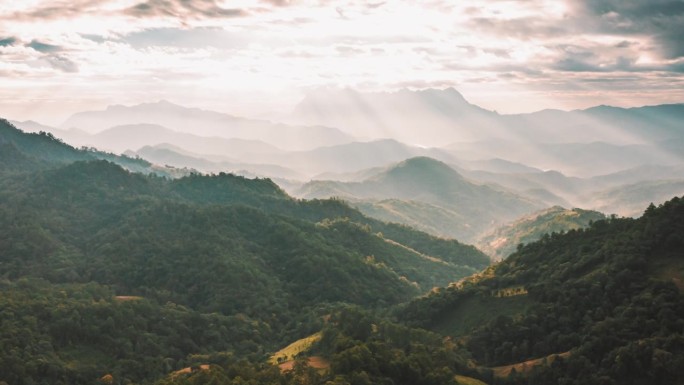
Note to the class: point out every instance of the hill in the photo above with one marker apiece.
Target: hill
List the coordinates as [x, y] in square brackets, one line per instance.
[604, 302]
[428, 194]
[34, 151]
[222, 258]
[504, 240]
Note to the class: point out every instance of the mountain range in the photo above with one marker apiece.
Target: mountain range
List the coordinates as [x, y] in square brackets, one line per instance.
[419, 190]
[112, 276]
[609, 159]
[207, 124]
[439, 117]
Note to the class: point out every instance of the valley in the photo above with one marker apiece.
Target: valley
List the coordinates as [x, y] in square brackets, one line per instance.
[137, 252]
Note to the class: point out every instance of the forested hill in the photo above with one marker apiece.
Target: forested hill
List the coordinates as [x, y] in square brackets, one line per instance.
[21, 152]
[105, 271]
[608, 299]
[502, 241]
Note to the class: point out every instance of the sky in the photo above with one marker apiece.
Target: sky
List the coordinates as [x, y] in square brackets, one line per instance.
[258, 58]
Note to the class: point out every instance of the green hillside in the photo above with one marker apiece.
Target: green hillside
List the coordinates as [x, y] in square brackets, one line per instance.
[503, 241]
[428, 194]
[608, 299]
[20, 151]
[105, 271]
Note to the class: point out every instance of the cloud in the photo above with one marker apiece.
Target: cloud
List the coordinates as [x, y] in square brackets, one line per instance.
[186, 38]
[522, 28]
[8, 41]
[62, 63]
[661, 20]
[43, 47]
[183, 9]
[277, 3]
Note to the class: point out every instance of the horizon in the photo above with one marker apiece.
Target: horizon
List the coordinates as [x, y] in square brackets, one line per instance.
[257, 59]
[60, 124]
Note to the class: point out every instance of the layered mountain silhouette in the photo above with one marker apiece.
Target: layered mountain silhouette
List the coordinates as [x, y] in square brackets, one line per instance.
[408, 191]
[438, 117]
[207, 123]
[612, 159]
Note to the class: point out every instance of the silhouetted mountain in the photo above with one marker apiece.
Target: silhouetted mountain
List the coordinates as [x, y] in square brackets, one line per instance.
[122, 138]
[352, 157]
[421, 182]
[572, 158]
[435, 117]
[429, 117]
[208, 124]
[165, 154]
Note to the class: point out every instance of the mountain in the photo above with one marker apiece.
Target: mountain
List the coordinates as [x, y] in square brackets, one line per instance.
[504, 240]
[351, 157]
[128, 137]
[73, 136]
[205, 123]
[34, 151]
[623, 192]
[410, 191]
[434, 117]
[595, 305]
[170, 155]
[582, 143]
[429, 117]
[579, 159]
[128, 276]
[626, 199]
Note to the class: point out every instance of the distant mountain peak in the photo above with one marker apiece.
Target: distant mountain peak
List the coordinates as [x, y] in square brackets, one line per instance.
[422, 168]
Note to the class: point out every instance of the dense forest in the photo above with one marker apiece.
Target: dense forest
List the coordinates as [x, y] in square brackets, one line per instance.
[118, 277]
[606, 299]
[132, 261]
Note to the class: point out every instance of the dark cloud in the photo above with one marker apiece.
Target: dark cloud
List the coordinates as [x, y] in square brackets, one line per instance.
[625, 44]
[522, 28]
[7, 41]
[183, 9]
[62, 63]
[43, 47]
[662, 20]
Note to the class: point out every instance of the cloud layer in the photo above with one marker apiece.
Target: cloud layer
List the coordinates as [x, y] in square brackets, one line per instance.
[242, 55]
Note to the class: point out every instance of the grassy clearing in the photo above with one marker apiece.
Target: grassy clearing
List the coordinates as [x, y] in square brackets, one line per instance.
[189, 370]
[527, 366]
[463, 380]
[289, 352]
